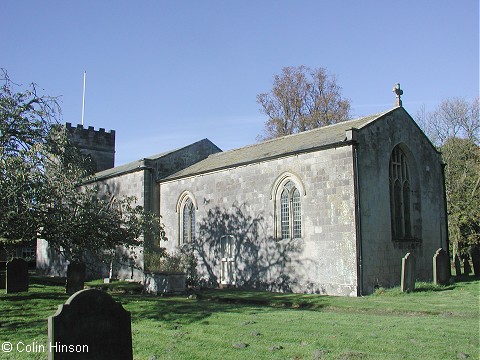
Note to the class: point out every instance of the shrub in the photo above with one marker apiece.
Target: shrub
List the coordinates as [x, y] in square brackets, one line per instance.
[183, 260]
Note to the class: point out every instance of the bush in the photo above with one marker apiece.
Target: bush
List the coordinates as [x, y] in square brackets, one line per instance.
[183, 260]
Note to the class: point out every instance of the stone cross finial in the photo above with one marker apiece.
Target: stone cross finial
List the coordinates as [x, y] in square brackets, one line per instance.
[398, 92]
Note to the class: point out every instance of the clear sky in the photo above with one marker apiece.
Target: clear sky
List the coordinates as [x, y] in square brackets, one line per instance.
[164, 74]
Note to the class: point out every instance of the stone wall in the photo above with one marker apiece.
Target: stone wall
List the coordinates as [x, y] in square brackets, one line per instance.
[100, 145]
[131, 184]
[137, 184]
[381, 254]
[241, 202]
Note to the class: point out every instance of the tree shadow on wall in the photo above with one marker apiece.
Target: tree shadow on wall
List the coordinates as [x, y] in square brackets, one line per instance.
[260, 261]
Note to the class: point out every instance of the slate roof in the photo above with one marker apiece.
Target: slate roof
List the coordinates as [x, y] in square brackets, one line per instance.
[283, 146]
[136, 165]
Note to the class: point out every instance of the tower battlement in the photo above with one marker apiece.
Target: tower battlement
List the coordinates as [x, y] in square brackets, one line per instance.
[99, 144]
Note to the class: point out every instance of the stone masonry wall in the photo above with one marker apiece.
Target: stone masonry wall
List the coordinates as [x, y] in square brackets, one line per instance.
[131, 184]
[381, 255]
[100, 145]
[135, 184]
[238, 202]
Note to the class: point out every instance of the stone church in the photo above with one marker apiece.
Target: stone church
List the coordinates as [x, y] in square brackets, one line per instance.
[328, 211]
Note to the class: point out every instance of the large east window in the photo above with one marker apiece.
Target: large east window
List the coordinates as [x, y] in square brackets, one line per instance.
[400, 195]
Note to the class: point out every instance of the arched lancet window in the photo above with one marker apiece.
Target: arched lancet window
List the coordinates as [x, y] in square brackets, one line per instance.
[188, 221]
[290, 212]
[400, 203]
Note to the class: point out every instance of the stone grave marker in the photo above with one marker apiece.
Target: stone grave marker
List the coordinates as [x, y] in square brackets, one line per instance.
[441, 267]
[75, 277]
[17, 276]
[408, 273]
[458, 267]
[90, 325]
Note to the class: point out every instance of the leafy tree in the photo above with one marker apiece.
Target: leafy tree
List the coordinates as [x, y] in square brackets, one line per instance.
[302, 99]
[42, 191]
[454, 128]
[25, 122]
[462, 183]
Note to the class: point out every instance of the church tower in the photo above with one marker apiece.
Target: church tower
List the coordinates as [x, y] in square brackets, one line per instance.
[99, 144]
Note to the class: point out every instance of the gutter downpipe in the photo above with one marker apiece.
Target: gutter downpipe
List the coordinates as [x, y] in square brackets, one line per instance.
[358, 223]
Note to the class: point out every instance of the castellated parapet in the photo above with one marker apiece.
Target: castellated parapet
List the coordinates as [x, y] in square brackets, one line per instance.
[99, 144]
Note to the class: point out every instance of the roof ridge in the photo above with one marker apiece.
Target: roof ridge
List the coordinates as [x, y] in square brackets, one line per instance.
[373, 116]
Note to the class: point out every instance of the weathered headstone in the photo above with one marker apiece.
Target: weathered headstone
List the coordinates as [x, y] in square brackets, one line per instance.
[90, 325]
[17, 276]
[164, 283]
[441, 267]
[408, 273]
[75, 277]
[475, 254]
[458, 267]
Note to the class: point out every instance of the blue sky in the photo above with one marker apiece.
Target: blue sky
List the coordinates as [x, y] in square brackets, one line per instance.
[164, 74]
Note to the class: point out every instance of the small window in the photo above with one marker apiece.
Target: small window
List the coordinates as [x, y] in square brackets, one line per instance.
[188, 222]
[28, 253]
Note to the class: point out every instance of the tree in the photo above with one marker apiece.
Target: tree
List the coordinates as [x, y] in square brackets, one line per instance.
[42, 191]
[25, 122]
[302, 99]
[462, 183]
[454, 118]
[454, 128]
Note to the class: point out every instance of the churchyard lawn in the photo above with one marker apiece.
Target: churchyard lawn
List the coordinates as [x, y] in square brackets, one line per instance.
[430, 323]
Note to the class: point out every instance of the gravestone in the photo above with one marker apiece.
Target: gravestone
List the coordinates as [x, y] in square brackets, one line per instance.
[408, 273]
[17, 276]
[164, 283]
[90, 325]
[75, 277]
[475, 254]
[458, 267]
[441, 267]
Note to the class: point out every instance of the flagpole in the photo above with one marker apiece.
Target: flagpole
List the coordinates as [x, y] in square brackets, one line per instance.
[83, 96]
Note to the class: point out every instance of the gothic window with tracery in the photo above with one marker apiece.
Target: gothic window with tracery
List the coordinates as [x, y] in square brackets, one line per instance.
[188, 222]
[400, 203]
[290, 212]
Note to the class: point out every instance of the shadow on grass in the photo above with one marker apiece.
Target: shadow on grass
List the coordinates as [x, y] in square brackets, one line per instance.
[37, 296]
[200, 306]
[466, 278]
[206, 303]
[264, 298]
[47, 280]
[175, 309]
[456, 281]
[432, 287]
[15, 325]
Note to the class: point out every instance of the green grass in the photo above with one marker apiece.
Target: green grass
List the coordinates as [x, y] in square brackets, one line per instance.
[431, 323]
[122, 287]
